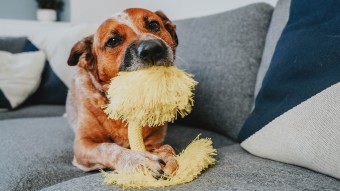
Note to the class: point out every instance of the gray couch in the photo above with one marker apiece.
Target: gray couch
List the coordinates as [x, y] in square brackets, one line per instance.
[229, 54]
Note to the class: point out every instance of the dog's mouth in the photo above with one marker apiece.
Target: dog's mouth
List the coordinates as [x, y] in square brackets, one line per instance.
[147, 53]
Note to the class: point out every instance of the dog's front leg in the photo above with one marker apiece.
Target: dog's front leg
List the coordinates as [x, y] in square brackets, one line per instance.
[90, 155]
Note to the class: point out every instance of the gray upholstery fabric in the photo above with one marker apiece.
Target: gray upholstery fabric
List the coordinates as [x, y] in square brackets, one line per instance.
[223, 51]
[278, 22]
[236, 170]
[12, 44]
[180, 136]
[33, 111]
[37, 152]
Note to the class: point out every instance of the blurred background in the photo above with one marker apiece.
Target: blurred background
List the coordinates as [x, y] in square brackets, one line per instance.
[78, 11]
[54, 26]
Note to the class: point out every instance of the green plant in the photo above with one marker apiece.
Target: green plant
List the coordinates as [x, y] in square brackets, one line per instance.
[50, 4]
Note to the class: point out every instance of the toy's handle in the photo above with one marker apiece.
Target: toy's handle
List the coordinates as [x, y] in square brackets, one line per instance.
[135, 135]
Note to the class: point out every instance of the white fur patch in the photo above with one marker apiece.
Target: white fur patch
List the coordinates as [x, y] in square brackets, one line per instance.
[84, 168]
[124, 18]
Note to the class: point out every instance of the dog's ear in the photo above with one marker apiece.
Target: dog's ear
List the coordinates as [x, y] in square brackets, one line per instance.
[83, 47]
[170, 26]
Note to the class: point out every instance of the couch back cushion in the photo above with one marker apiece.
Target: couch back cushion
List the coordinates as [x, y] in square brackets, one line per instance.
[223, 51]
[12, 44]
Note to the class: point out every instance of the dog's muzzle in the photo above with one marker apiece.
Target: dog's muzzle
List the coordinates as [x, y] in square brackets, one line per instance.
[146, 53]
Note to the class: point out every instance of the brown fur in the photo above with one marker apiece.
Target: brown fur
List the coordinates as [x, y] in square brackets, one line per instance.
[99, 141]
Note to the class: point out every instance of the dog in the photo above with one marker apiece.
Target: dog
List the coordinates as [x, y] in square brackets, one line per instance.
[131, 40]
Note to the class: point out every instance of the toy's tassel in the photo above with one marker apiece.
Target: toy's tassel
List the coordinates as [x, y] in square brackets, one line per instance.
[192, 161]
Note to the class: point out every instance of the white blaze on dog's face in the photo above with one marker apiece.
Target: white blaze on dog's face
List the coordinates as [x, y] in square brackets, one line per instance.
[134, 39]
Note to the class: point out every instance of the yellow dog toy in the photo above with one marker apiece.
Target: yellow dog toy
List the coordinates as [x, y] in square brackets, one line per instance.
[152, 97]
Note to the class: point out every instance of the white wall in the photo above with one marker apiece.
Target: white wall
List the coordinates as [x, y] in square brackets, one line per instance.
[98, 10]
[26, 10]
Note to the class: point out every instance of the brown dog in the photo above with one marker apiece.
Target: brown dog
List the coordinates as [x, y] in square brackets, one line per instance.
[131, 40]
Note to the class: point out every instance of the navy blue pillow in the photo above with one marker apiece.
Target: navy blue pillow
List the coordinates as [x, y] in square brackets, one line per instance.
[4, 103]
[51, 89]
[305, 62]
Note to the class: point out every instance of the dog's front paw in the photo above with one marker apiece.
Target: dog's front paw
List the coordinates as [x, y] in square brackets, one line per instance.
[132, 160]
[168, 155]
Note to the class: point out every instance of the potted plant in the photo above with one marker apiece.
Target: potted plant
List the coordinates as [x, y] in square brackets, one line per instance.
[48, 9]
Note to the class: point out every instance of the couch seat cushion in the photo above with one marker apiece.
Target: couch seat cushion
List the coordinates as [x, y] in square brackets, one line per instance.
[235, 170]
[37, 152]
[34, 111]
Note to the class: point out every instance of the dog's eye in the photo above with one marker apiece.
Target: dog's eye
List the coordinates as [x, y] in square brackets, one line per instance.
[113, 42]
[153, 26]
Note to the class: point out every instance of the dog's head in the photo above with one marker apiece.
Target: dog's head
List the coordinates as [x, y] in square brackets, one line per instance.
[131, 40]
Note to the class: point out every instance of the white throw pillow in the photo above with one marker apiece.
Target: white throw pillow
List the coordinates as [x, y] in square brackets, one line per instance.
[57, 45]
[20, 75]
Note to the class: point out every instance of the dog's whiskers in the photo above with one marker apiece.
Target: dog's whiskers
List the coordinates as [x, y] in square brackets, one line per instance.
[181, 59]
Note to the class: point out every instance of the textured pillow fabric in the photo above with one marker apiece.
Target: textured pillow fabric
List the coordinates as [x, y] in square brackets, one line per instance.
[19, 76]
[223, 51]
[297, 111]
[12, 45]
[51, 89]
[278, 22]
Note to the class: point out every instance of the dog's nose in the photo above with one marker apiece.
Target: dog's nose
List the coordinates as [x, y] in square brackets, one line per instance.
[151, 51]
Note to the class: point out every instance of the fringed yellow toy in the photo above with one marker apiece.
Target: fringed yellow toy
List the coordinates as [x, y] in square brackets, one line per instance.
[152, 97]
